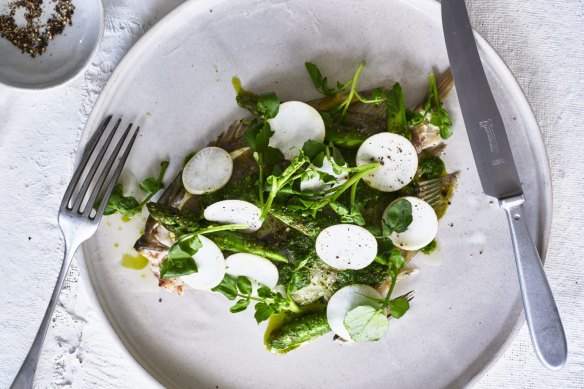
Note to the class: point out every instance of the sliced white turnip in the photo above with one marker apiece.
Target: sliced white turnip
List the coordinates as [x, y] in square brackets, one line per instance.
[234, 212]
[346, 246]
[314, 182]
[257, 269]
[345, 300]
[421, 231]
[397, 157]
[210, 264]
[207, 171]
[295, 123]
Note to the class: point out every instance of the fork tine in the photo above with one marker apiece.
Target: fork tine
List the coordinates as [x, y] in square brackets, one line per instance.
[114, 178]
[94, 166]
[79, 170]
[105, 172]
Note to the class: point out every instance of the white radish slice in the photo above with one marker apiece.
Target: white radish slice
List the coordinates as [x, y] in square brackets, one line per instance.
[207, 171]
[315, 184]
[234, 212]
[397, 157]
[254, 267]
[345, 300]
[346, 246]
[295, 123]
[210, 264]
[421, 231]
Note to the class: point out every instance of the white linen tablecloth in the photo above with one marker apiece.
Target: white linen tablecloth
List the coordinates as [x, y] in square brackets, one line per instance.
[541, 41]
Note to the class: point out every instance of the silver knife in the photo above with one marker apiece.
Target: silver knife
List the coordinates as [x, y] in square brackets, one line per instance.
[499, 178]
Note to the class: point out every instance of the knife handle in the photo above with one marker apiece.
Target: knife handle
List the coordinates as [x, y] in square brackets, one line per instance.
[541, 313]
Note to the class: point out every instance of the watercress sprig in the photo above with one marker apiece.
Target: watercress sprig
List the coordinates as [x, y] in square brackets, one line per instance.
[321, 84]
[179, 261]
[439, 116]
[128, 206]
[395, 108]
[369, 323]
[313, 206]
[268, 301]
[264, 107]
[277, 182]
[398, 217]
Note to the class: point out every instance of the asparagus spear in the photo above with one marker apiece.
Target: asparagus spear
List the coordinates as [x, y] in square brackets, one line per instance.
[231, 241]
[181, 222]
[298, 331]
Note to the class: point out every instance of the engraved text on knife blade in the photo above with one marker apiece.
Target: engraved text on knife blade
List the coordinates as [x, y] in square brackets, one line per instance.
[487, 126]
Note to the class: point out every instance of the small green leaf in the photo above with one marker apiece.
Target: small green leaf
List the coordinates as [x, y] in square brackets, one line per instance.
[374, 230]
[262, 312]
[190, 244]
[244, 285]
[396, 112]
[263, 137]
[251, 134]
[355, 216]
[273, 156]
[396, 259]
[378, 94]
[239, 306]
[227, 287]
[268, 105]
[113, 201]
[398, 307]
[399, 216]
[245, 99]
[312, 148]
[339, 208]
[127, 206]
[177, 265]
[265, 292]
[326, 178]
[320, 82]
[439, 116]
[151, 185]
[300, 279]
[319, 159]
[179, 261]
[366, 324]
[338, 157]
[414, 117]
[302, 263]
[431, 168]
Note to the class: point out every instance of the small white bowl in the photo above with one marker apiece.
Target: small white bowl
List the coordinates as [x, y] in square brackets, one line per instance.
[66, 55]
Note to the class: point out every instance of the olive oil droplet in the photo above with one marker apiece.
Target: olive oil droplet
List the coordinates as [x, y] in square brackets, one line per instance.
[137, 262]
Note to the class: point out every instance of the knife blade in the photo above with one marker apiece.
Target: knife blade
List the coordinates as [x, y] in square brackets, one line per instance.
[500, 179]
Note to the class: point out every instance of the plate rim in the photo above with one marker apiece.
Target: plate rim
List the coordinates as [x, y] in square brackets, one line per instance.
[431, 7]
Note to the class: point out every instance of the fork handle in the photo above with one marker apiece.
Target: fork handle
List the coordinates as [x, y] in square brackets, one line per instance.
[25, 377]
[541, 313]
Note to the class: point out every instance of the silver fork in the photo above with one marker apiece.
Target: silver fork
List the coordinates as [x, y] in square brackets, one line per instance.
[79, 220]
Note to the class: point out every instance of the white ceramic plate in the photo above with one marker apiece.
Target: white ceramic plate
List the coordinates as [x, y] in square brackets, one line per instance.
[176, 83]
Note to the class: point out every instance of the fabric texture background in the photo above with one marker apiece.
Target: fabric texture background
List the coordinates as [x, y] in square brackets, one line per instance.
[541, 41]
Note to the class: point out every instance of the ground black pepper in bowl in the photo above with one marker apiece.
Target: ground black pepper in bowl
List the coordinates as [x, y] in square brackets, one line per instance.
[33, 38]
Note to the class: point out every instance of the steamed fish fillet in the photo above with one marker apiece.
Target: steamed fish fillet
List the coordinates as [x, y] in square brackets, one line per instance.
[365, 119]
